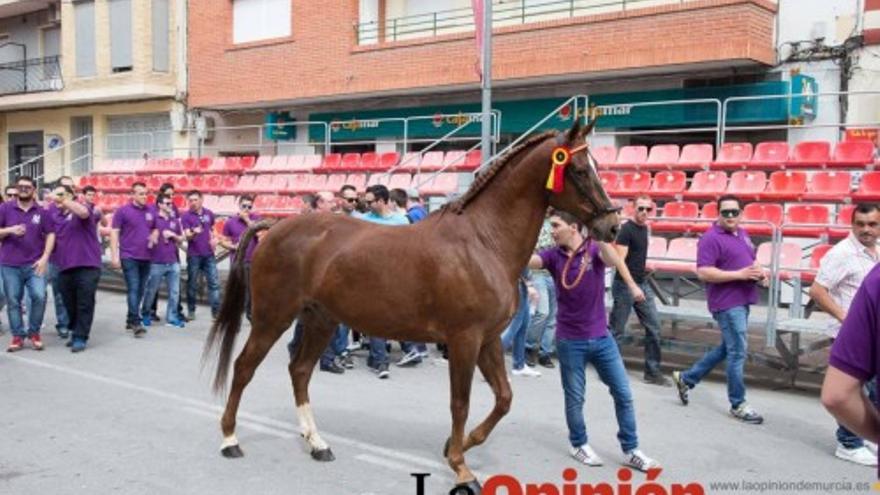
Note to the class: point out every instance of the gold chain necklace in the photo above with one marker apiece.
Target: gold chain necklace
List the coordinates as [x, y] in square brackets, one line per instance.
[581, 271]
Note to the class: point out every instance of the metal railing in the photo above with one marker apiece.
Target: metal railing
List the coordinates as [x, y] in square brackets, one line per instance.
[69, 158]
[717, 128]
[31, 76]
[503, 14]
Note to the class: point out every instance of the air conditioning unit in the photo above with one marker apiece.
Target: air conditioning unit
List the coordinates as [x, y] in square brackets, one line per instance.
[205, 128]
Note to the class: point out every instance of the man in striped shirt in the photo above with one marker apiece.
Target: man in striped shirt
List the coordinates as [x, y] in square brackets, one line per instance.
[840, 275]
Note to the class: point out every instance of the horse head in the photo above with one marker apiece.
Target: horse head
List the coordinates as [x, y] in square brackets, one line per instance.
[580, 192]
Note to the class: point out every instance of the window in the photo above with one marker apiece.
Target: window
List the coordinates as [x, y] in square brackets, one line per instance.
[254, 20]
[120, 35]
[84, 14]
[160, 35]
[133, 136]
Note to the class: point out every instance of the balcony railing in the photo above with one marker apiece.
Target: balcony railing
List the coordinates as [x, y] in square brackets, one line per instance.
[503, 14]
[31, 76]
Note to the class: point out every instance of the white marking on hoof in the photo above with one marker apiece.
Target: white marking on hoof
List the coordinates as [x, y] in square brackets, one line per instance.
[229, 441]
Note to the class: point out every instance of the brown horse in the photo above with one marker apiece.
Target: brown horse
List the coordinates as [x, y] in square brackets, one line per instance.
[451, 278]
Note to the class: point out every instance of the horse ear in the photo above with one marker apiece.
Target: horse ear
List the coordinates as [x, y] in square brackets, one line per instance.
[585, 131]
[574, 133]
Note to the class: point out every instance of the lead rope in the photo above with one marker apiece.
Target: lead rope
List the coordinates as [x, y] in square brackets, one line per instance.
[581, 271]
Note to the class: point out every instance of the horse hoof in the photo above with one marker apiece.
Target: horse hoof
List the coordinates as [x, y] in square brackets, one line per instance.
[446, 447]
[232, 452]
[472, 487]
[324, 455]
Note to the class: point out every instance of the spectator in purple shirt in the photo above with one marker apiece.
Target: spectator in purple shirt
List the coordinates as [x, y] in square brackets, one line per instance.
[28, 238]
[198, 227]
[582, 336]
[726, 263]
[854, 361]
[166, 189]
[130, 243]
[79, 262]
[233, 229]
[164, 263]
[62, 322]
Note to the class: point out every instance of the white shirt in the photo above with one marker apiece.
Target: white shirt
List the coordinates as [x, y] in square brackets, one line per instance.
[841, 272]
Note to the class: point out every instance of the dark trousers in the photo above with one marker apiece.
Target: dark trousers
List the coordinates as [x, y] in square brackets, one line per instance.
[136, 273]
[78, 287]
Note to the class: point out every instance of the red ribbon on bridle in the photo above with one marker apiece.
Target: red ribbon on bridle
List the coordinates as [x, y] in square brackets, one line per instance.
[561, 158]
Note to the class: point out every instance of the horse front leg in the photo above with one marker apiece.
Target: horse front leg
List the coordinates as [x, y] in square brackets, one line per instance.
[462, 361]
[491, 363]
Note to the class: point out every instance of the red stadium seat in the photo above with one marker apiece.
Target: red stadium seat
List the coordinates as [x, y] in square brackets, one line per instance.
[431, 161]
[212, 183]
[279, 183]
[263, 184]
[405, 181]
[668, 184]
[828, 185]
[816, 256]
[409, 162]
[317, 182]
[689, 210]
[605, 156]
[298, 183]
[388, 160]
[179, 201]
[662, 157]
[312, 162]
[263, 165]
[246, 184]
[806, 220]
[472, 161]
[440, 185]
[291, 163]
[369, 161]
[843, 223]
[869, 188]
[332, 161]
[681, 256]
[228, 182]
[733, 156]
[771, 154]
[610, 181]
[634, 183]
[248, 162]
[707, 185]
[810, 154]
[747, 184]
[334, 182]
[852, 154]
[790, 258]
[694, 156]
[657, 247]
[785, 185]
[453, 160]
[359, 181]
[709, 211]
[631, 157]
[763, 213]
[350, 162]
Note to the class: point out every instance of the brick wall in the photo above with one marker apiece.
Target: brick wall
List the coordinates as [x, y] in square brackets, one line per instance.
[322, 59]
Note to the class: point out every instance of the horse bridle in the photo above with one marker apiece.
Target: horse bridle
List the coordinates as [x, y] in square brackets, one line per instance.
[600, 209]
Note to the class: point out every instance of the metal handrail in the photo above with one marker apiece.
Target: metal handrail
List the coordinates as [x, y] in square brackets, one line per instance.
[696, 101]
[59, 150]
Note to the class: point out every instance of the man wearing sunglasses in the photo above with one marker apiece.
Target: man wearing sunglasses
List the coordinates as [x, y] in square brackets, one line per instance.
[234, 228]
[165, 263]
[10, 193]
[28, 236]
[198, 225]
[632, 246]
[130, 243]
[726, 264]
[348, 199]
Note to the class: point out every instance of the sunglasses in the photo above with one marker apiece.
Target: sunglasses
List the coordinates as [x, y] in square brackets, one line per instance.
[730, 213]
[351, 200]
[246, 207]
[648, 209]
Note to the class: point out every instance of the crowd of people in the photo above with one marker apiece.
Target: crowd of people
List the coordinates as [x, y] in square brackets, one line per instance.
[58, 243]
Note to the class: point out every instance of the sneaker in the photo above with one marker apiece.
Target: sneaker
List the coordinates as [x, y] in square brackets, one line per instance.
[129, 326]
[146, 321]
[871, 446]
[411, 358]
[36, 341]
[638, 460]
[860, 455]
[546, 362]
[333, 367]
[155, 317]
[526, 371]
[175, 324]
[745, 413]
[16, 344]
[682, 387]
[78, 345]
[658, 380]
[139, 331]
[422, 354]
[586, 455]
[532, 357]
[69, 342]
[347, 361]
[62, 333]
[191, 315]
[382, 371]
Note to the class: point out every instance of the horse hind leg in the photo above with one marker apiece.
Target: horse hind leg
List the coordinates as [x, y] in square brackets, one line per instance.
[491, 363]
[317, 330]
[267, 327]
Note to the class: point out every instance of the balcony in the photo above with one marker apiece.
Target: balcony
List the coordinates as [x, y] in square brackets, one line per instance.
[31, 76]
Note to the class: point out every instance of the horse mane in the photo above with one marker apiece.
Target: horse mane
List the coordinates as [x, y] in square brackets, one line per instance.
[485, 177]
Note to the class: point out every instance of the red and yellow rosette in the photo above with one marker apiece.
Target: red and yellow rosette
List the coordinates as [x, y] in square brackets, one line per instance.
[560, 157]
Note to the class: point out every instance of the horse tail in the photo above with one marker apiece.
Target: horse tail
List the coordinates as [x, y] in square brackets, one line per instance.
[228, 321]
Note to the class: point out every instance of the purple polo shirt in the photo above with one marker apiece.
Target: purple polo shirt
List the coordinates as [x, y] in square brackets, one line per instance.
[76, 239]
[580, 313]
[135, 224]
[165, 250]
[27, 249]
[235, 228]
[200, 244]
[856, 350]
[727, 251]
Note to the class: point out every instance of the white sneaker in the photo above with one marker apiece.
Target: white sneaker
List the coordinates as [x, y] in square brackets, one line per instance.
[526, 371]
[861, 455]
[637, 459]
[586, 455]
[871, 446]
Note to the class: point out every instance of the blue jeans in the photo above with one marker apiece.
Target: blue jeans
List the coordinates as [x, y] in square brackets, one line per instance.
[62, 322]
[171, 273]
[542, 327]
[847, 438]
[734, 324]
[603, 353]
[378, 352]
[515, 334]
[337, 347]
[17, 280]
[647, 313]
[196, 265]
[136, 273]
